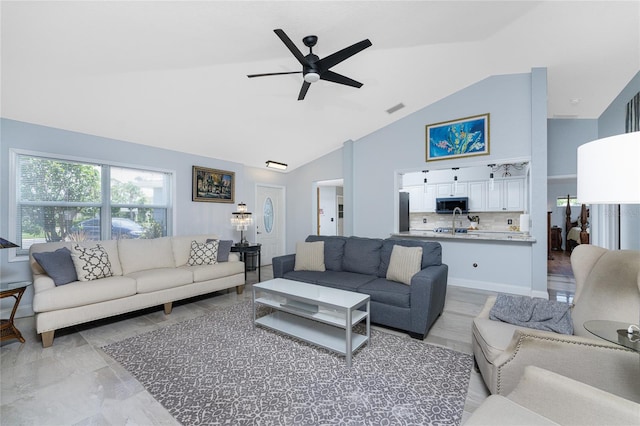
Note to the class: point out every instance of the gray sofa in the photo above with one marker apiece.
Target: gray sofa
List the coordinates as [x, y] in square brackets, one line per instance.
[360, 265]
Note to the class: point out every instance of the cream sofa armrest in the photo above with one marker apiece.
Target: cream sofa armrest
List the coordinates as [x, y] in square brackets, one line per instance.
[486, 309]
[234, 257]
[566, 401]
[42, 283]
[595, 362]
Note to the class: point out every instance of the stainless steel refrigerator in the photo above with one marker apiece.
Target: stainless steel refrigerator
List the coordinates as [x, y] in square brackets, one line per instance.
[403, 222]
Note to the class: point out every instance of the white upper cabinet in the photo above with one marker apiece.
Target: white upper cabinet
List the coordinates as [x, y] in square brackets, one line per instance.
[506, 195]
[477, 196]
[459, 189]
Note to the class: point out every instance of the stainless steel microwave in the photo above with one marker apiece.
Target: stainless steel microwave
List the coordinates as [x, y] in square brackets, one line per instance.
[446, 205]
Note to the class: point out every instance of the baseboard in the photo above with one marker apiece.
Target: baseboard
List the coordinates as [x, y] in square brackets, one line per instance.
[497, 287]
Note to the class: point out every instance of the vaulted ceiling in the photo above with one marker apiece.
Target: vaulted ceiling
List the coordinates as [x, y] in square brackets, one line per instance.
[173, 74]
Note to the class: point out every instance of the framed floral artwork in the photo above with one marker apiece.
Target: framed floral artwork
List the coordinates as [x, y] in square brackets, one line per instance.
[464, 137]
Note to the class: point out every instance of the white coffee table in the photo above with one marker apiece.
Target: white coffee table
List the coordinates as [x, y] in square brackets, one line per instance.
[316, 314]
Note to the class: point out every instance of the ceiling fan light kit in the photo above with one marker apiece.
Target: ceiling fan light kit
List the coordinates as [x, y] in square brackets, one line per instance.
[314, 68]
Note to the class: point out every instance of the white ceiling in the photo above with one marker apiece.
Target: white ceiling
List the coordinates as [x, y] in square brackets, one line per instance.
[172, 74]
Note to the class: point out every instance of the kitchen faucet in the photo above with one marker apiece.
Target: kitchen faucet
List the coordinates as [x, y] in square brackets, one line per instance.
[453, 225]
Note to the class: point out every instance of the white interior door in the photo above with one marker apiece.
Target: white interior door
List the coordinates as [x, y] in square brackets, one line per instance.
[270, 221]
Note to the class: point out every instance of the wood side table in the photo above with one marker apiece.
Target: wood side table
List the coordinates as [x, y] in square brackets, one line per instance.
[7, 327]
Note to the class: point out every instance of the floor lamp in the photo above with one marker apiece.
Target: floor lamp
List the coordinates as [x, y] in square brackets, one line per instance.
[609, 173]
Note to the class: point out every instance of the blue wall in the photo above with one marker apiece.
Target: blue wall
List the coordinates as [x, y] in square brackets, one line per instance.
[189, 217]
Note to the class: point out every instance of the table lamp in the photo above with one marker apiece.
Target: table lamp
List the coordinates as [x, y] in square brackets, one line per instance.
[241, 220]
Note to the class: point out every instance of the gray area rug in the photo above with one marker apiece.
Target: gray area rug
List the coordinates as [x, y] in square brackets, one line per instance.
[218, 369]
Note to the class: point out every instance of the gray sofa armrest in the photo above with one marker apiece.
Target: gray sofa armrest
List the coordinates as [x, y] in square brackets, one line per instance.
[428, 291]
[283, 264]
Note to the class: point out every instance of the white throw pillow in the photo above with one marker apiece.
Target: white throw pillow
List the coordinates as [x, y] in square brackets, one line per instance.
[203, 253]
[405, 262]
[310, 256]
[90, 263]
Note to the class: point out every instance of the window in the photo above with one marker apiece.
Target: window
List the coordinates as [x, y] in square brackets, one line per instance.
[562, 202]
[66, 200]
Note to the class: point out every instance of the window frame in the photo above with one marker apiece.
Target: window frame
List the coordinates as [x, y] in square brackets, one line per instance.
[105, 206]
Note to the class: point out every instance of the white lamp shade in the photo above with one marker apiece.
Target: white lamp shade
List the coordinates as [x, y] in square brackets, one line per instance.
[609, 170]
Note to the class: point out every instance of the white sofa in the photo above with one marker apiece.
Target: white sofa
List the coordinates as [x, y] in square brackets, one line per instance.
[145, 273]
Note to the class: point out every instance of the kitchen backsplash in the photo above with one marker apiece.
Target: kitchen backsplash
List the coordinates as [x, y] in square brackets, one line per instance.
[498, 221]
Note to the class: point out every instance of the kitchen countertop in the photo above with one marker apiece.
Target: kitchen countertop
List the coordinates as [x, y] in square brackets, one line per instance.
[473, 235]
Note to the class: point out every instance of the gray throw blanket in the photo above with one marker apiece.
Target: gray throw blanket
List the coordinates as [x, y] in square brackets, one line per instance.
[533, 312]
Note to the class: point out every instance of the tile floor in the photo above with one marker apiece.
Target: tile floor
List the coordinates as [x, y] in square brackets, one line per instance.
[75, 383]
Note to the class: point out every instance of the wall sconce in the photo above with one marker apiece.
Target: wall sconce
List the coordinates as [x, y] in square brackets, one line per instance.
[276, 165]
[241, 220]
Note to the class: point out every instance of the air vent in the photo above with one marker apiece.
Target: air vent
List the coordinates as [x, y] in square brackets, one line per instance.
[395, 108]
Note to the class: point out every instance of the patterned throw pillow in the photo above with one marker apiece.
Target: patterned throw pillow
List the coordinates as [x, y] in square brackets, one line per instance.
[91, 263]
[203, 253]
[405, 262]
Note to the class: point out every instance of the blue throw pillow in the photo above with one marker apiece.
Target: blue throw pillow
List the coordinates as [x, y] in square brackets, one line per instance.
[224, 248]
[58, 265]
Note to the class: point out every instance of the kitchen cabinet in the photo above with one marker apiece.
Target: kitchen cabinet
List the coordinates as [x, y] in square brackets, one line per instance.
[444, 190]
[477, 196]
[506, 195]
[419, 200]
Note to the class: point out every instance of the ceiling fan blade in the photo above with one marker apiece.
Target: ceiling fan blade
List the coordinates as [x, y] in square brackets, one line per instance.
[303, 90]
[273, 73]
[341, 55]
[339, 78]
[292, 47]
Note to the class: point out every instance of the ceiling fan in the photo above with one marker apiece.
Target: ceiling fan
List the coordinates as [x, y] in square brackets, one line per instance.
[314, 68]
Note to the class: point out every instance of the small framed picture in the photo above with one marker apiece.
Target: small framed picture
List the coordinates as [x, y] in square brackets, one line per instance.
[213, 186]
[464, 137]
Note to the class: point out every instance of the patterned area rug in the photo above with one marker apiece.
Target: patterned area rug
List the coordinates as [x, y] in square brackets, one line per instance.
[218, 369]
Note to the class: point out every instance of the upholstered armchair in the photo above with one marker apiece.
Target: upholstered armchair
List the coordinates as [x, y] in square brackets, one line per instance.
[607, 288]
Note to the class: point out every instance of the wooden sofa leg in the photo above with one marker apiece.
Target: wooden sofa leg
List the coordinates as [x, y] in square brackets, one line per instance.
[47, 338]
[168, 307]
[239, 289]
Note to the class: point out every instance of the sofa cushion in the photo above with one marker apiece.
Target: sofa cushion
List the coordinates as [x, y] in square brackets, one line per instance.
[387, 292]
[152, 280]
[181, 246]
[309, 256]
[81, 293]
[336, 279]
[404, 263]
[224, 248]
[431, 253]
[344, 280]
[91, 263]
[58, 265]
[142, 254]
[203, 253]
[362, 255]
[212, 272]
[333, 250]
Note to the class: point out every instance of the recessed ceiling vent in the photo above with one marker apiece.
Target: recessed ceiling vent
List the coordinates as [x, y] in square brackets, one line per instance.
[395, 108]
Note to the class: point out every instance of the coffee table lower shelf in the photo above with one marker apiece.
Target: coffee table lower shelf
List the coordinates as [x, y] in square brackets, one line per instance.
[317, 333]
